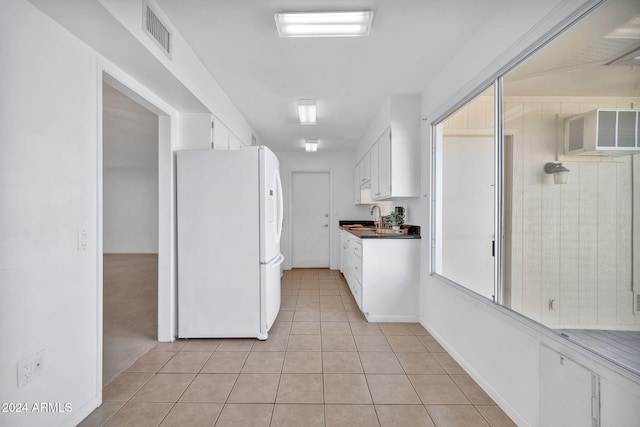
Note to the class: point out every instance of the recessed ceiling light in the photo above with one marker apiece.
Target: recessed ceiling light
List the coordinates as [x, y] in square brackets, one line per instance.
[311, 145]
[307, 111]
[324, 24]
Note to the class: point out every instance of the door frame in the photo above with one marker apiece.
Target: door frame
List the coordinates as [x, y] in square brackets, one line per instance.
[289, 262]
[168, 142]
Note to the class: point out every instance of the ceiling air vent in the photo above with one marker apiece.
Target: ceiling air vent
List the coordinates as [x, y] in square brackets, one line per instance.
[156, 29]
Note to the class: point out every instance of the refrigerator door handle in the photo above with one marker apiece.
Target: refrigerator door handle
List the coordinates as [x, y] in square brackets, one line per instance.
[276, 261]
[280, 259]
[280, 216]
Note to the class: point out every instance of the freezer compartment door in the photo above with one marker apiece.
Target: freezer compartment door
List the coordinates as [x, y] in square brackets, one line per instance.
[270, 294]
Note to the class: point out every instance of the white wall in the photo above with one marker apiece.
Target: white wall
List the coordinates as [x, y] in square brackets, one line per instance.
[48, 191]
[130, 183]
[341, 166]
[498, 348]
[186, 66]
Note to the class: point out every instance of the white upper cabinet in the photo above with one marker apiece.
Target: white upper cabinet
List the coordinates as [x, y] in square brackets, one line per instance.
[234, 142]
[394, 138]
[384, 166]
[202, 131]
[356, 184]
[375, 181]
[220, 136]
[195, 131]
[365, 169]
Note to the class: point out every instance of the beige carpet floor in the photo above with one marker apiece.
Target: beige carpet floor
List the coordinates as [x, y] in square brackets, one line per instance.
[130, 310]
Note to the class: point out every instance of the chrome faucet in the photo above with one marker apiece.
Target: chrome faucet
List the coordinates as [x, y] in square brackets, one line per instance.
[377, 223]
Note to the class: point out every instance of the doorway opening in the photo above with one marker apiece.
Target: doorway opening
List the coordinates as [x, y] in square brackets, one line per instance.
[130, 230]
[310, 219]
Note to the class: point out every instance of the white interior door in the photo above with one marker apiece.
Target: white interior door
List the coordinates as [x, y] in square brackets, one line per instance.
[468, 212]
[310, 216]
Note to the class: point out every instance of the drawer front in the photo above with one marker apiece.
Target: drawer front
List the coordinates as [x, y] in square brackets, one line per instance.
[357, 271]
[357, 250]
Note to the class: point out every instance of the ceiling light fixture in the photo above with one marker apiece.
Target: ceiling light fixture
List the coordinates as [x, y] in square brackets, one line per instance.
[324, 24]
[307, 111]
[311, 145]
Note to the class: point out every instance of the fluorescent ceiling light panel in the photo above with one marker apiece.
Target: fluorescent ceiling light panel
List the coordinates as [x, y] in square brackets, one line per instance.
[311, 145]
[324, 24]
[307, 111]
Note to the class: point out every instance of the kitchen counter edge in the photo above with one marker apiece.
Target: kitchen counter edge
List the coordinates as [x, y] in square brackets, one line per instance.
[370, 234]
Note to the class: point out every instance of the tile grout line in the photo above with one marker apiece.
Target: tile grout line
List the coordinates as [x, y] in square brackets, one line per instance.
[350, 322]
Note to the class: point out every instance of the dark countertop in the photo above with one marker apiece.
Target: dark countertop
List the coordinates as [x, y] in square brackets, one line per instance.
[414, 231]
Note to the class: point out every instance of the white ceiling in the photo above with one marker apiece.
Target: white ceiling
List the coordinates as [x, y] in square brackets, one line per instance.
[575, 63]
[409, 43]
[264, 75]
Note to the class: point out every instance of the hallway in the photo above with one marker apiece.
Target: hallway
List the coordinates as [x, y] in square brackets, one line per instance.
[323, 365]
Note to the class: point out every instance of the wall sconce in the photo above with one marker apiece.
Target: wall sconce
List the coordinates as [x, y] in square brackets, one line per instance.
[559, 172]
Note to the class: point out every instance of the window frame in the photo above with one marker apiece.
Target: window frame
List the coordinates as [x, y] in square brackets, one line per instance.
[435, 126]
[436, 137]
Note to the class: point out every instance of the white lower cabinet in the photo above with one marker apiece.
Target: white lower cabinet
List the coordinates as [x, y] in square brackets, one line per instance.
[345, 249]
[382, 274]
[356, 290]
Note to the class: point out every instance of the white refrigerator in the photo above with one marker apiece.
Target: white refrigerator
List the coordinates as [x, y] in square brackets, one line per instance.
[229, 211]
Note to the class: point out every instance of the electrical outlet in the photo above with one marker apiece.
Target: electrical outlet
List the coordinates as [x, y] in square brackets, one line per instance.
[38, 363]
[25, 372]
[30, 367]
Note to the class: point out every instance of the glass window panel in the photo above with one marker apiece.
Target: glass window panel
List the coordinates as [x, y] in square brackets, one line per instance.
[568, 248]
[465, 193]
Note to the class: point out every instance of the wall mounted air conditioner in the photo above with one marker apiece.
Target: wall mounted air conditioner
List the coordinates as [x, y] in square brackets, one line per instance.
[603, 133]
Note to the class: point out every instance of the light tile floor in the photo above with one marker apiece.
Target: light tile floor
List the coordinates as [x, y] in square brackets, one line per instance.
[322, 365]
